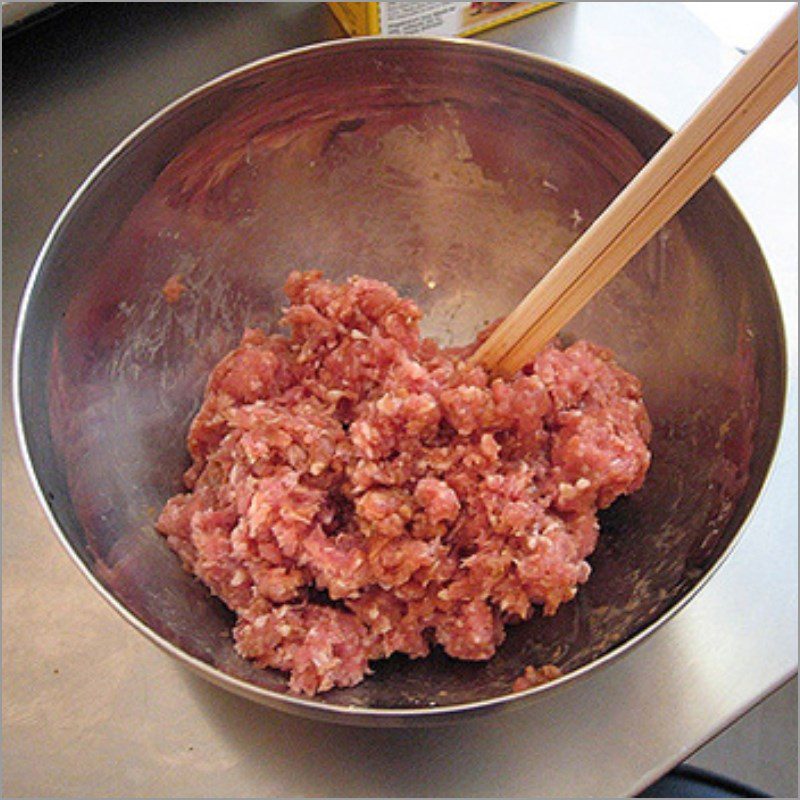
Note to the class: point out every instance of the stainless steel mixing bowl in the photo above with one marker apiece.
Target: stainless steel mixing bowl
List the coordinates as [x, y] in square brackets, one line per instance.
[458, 171]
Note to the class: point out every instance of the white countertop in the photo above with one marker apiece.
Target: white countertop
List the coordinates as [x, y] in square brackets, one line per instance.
[91, 708]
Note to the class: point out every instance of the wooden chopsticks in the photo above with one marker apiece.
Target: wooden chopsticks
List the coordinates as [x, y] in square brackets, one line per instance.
[686, 161]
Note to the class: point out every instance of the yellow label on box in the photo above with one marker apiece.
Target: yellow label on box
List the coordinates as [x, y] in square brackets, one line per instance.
[398, 18]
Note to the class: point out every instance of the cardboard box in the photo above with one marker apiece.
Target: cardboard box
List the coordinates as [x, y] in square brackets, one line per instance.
[399, 18]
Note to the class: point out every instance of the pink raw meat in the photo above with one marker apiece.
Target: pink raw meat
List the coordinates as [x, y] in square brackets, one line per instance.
[357, 491]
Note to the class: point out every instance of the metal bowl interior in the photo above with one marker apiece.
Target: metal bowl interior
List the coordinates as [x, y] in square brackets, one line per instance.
[458, 172]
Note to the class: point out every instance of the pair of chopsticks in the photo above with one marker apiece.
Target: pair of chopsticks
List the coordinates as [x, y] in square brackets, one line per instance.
[686, 161]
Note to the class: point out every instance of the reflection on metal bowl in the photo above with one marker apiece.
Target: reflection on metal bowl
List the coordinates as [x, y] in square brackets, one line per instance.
[459, 172]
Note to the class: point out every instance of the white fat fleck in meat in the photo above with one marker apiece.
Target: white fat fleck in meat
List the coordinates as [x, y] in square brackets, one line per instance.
[239, 577]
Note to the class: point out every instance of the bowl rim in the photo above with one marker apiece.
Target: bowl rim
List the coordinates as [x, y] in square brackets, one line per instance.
[297, 704]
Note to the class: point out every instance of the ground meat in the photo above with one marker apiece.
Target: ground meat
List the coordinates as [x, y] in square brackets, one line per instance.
[356, 491]
[532, 676]
[173, 288]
